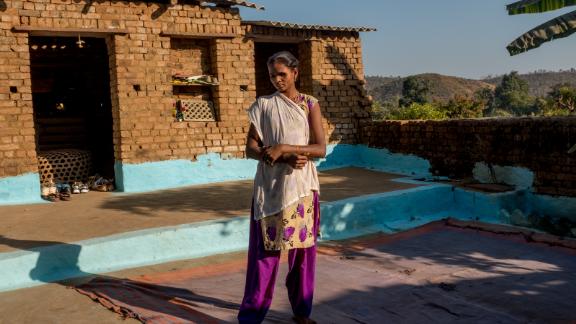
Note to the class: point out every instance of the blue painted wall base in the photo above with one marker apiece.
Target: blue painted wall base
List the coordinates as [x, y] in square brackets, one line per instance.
[22, 189]
[212, 168]
[209, 168]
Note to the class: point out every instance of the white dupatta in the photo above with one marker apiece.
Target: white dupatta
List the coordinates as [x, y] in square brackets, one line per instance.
[279, 120]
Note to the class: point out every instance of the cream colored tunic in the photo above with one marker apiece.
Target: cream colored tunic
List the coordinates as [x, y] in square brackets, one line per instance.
[279, 120]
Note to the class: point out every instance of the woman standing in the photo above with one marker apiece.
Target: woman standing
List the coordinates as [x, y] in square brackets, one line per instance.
[285, 132]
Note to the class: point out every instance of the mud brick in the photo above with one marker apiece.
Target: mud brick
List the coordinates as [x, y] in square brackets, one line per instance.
[144, 127]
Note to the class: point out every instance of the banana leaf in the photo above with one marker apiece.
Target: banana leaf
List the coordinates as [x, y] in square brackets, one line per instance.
[559, 27]
[537, 6]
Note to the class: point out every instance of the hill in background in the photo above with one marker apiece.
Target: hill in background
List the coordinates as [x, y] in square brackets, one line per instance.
[442, 87]
[541, 82]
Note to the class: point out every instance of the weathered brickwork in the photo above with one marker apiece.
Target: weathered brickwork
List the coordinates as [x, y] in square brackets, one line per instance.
[539, 144]
[332, 71]
[147, 43]
[17, 136]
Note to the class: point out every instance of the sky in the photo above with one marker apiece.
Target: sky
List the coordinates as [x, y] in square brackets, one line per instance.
[453, 37]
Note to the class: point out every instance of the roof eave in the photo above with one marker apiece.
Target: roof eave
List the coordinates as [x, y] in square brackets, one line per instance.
[286, 25]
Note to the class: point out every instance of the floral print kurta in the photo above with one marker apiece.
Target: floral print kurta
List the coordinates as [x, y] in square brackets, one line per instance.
[291, 228]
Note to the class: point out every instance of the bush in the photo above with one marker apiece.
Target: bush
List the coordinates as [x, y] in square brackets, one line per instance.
[381, 111]
[501, 113]
[463, 107]
[418, 111]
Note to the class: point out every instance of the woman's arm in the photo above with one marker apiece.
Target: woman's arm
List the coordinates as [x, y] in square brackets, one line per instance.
[316, 148]
[254, 146]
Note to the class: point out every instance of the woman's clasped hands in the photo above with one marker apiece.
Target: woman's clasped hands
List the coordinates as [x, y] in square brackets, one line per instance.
[277, 153]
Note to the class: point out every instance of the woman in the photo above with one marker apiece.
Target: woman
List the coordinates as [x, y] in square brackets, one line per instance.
[285, 132]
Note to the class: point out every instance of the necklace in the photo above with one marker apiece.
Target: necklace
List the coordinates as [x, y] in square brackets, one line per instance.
[295, 98]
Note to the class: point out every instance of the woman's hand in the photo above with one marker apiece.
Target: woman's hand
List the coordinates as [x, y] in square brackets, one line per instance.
[296, 161]
[273, 153]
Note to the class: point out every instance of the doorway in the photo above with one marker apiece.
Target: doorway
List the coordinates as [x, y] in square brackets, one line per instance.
[262, 52]
[71, 98]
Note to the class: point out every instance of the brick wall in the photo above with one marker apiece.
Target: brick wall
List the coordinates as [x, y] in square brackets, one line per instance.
[338, 82]
[17, 141]
[452, 147]
[331, 70]
[142, 62]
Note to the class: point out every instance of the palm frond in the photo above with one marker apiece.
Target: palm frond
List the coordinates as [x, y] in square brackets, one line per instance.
[559, 27]
[537, 6]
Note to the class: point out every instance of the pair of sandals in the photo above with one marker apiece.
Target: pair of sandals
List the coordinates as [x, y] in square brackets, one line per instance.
[54, 192]
[79, 187]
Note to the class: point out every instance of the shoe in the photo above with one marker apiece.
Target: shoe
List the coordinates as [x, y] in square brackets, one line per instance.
[101, 184]
[52, 189]
[65, 193]
[76, 187]
[84, 188]
[45, 191]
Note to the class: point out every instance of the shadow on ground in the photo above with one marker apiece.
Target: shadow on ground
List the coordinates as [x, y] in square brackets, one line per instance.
[62, 259]
[453, 276]
[231, 199]
[439, 276]
[224, 199]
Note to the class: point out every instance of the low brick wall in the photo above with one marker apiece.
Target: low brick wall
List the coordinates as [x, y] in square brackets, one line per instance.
[454, 146]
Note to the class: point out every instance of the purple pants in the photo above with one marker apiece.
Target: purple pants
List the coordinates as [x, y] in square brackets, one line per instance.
[263, 269]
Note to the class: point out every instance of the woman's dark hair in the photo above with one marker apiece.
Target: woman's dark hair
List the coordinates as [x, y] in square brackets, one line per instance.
[285, 58]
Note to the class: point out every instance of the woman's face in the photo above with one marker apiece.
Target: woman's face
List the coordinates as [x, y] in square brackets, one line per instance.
[282, 77]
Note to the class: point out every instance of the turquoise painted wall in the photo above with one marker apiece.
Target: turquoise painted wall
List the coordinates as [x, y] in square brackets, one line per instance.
[519, 177]
[22, 189]
[208, 168]
[212, 168]
[362, 156]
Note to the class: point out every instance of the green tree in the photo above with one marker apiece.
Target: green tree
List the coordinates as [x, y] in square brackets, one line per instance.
[486, 97]
[418, 111]
[563, 96]
[513, 95]
[463, 107]
[559, 27]
[377, 111]
[561, 100]
[414, 90]
[382, 110]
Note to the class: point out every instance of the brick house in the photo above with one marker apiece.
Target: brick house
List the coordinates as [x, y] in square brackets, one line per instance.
[99, 77]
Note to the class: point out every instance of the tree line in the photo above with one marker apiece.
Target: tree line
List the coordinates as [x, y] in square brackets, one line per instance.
[509, 98]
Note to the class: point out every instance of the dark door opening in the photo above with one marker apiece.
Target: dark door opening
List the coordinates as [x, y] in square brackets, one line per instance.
[262, 52]
[71, 98]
